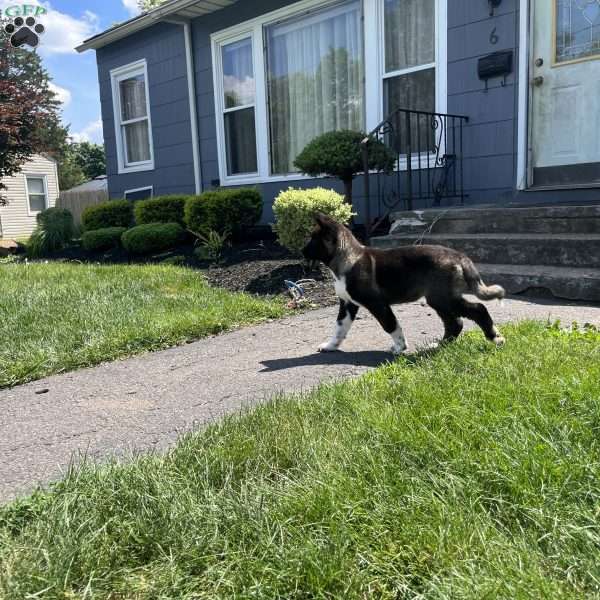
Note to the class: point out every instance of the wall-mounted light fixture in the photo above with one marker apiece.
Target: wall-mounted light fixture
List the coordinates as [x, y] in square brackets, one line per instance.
[494, 4]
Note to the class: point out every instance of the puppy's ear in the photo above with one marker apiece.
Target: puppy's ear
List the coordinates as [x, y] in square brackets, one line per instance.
[323, 220]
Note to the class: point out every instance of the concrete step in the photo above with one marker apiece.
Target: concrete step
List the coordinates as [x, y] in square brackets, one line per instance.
[577, 250]
[561, 282]
[541, 219]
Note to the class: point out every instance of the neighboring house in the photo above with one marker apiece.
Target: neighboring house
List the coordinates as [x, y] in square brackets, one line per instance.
[30, 191]
[98, 184]
[201, 93]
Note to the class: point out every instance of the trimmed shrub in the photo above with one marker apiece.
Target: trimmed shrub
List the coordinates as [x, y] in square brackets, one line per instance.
[339, 154]
[163, 209]
[102, 239]
[114, 213]
[152, 237]
[54, 231]
[295, 213]
[224, 211]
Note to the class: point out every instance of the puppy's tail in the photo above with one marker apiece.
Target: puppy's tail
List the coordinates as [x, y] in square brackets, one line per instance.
[476, 285]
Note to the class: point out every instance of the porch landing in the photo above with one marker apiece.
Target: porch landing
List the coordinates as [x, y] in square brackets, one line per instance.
[544, 250]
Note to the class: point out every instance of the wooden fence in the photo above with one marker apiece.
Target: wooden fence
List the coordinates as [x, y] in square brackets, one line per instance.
[77, 201]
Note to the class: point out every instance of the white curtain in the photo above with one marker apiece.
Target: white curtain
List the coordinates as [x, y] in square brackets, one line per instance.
[315, 79]
[409, 33]
[137, 142]
[133, 98]
[133, 106]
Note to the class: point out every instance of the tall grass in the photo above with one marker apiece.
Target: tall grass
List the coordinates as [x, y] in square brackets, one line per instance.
[57, 317]
[469, 473]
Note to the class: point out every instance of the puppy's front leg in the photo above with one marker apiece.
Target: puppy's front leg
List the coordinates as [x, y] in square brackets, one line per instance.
[387, 319]
[346, 317]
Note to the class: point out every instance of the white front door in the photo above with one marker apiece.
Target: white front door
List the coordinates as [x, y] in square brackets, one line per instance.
[565, 84]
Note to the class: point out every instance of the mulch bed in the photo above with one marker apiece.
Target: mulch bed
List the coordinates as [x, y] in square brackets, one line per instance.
[257, 267]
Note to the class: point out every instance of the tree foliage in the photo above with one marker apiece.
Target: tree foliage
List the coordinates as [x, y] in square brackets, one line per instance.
[29, 111]
[146, 5]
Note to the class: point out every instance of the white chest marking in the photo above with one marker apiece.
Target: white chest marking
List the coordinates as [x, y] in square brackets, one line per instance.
[340, 289]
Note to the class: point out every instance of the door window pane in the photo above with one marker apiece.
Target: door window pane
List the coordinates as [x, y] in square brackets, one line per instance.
[315, 73]
[137, 142]
[577, 29]
[240, 141]
[133, 98]
[413, 91]
[238, 74]
[409, 33]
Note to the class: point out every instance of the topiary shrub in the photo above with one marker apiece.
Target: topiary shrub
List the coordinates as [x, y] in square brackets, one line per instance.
[224, 211]
[102, 239]
[54, 231]
[295, 213]
[339, 154]
[114, 213]
[152, 237]
[163, 209]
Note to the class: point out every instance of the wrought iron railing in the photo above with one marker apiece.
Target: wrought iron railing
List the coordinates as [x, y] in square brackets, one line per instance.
[429, 163]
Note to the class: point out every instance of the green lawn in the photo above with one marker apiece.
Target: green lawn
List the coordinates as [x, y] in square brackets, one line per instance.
[57, 317]
[470, 473]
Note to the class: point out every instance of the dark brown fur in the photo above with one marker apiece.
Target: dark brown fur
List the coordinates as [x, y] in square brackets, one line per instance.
[377, 279]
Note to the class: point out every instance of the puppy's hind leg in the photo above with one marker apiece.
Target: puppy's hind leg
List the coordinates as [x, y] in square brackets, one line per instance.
[479, 313]
[453, 324]
[346, 317]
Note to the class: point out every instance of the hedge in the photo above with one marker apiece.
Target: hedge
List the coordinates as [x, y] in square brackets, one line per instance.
[231, 210]
[163, 209]
[114, 213]
[152, 237]
[102, 239]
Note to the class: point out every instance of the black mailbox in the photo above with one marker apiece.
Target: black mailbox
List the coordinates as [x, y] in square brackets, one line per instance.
[498, 64]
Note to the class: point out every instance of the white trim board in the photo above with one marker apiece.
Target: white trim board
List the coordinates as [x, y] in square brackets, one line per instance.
[523, 153]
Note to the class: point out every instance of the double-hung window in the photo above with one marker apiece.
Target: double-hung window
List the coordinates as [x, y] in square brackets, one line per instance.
[317, 66]
[133, 127]
[37, 196]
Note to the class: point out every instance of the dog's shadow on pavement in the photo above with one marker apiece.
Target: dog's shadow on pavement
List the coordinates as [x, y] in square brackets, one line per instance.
[357, 359]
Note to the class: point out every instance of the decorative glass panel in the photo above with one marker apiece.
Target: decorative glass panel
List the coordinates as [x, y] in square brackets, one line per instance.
[238, 74]
[409, 33]
[315, 77]
[137, 142]
[577, 29]
[133, 98]
[413, 91]
[240, 142]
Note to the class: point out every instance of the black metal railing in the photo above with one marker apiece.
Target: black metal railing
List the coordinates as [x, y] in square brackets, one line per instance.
[429, 162]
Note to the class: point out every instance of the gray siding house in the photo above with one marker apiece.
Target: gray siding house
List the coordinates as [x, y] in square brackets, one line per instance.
[203, 93]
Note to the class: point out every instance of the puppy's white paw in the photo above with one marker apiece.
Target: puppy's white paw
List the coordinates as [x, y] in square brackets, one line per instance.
[328, 347]
[399, 349]
[499, 340]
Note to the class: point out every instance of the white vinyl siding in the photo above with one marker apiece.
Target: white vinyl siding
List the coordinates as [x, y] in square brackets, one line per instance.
[16, 218]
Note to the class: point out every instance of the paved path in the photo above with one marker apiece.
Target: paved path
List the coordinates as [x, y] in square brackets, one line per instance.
[146, 402]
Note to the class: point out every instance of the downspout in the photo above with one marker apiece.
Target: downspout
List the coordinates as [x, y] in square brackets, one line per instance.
[189, 59]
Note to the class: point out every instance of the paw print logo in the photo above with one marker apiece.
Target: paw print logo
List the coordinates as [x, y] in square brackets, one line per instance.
[24, 32]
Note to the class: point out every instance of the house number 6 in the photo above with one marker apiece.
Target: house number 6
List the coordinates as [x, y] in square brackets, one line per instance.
[493, 37]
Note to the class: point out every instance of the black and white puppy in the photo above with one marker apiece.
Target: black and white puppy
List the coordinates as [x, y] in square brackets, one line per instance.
[376, 279]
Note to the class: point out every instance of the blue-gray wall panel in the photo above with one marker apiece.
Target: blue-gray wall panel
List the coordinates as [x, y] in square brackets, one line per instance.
[163, 48]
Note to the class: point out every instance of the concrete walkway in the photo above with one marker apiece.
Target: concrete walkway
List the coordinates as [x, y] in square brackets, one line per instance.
[145, 403]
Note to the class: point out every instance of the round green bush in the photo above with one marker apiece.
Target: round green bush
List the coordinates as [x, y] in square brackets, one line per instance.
[102, 239]
[114, 213]
[224, 211]
[295, 213]
[152, 237]
[163, 209]
[54, 231]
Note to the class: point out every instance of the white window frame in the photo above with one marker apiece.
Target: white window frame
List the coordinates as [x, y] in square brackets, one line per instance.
[140, 189]
[117, 75]
[373, 35]
[44, 178]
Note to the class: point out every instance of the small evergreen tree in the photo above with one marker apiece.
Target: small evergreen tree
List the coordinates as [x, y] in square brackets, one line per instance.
[339, 154]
